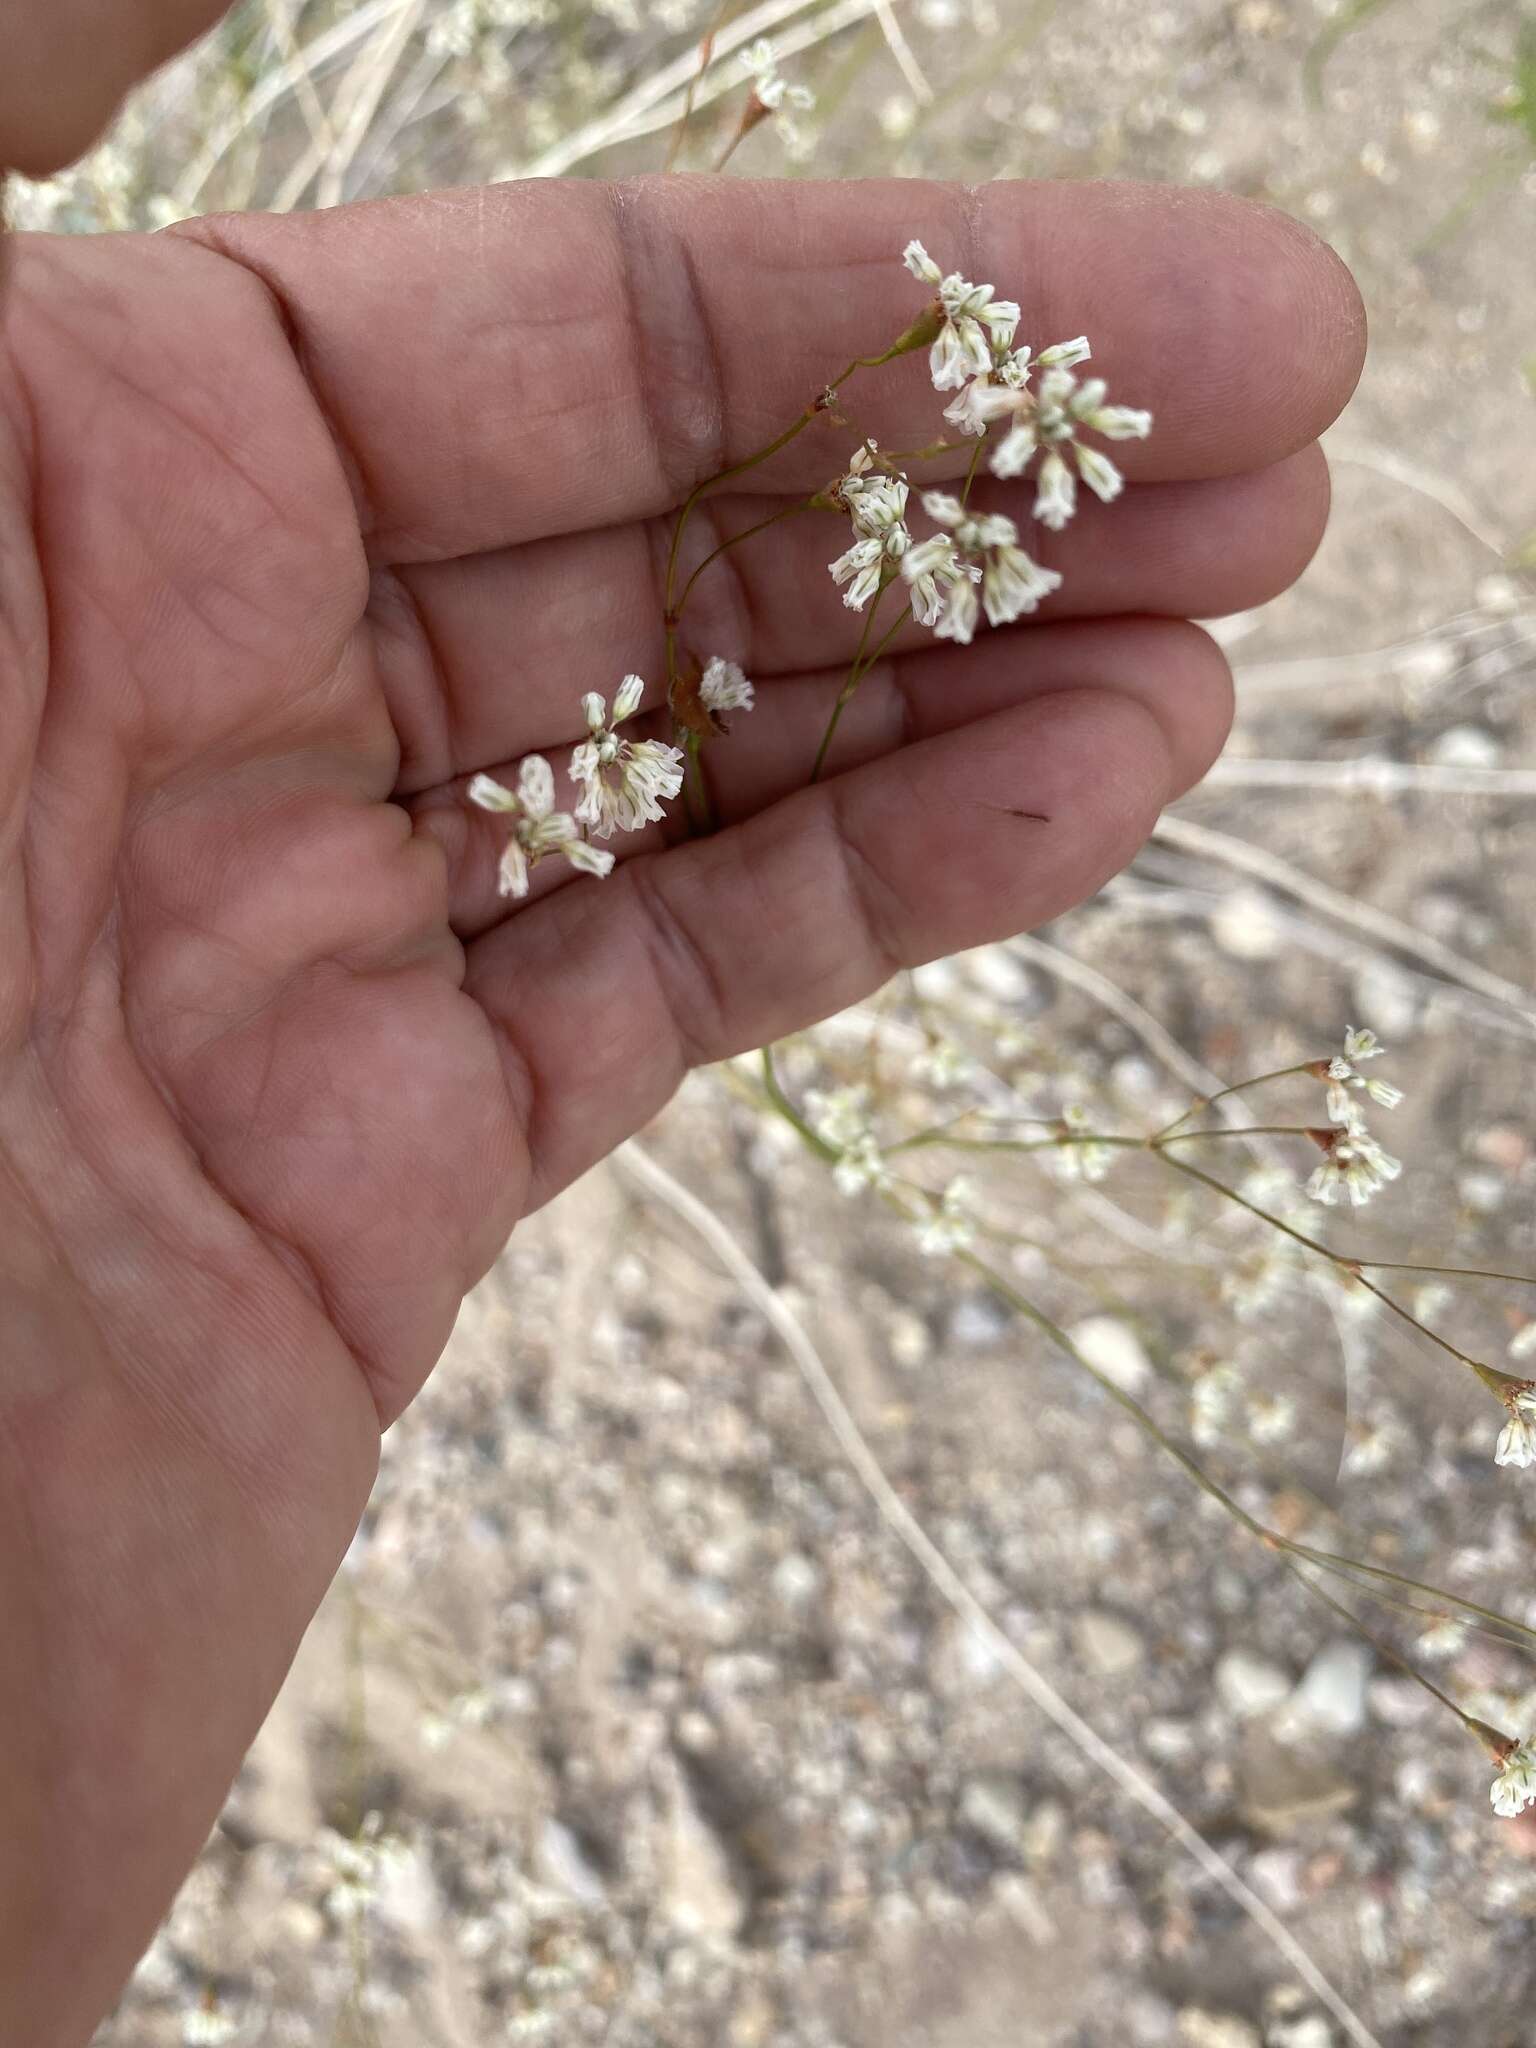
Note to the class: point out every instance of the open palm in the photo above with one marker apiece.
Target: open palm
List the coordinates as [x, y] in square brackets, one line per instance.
[301, 524]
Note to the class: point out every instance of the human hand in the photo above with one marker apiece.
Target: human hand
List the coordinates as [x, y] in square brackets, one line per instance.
[302, 522]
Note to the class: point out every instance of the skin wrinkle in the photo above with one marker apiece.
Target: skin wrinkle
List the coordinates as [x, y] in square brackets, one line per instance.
[651, 295]
[208, 236]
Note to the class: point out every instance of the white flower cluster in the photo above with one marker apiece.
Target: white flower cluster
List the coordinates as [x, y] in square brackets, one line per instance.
[1082, 1158]
[773, 94]
[950, 1225]
[623, 783]
[840, 1118]
[1514, 1789]
[1354, 1163]
[975, 353]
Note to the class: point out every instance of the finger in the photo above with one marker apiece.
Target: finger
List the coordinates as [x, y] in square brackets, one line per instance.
[67, 66]
[1173, 671]
[603, 997]
[464, 693]
[554, 356]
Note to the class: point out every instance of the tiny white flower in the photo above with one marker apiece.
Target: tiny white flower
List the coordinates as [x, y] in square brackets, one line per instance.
[876, 504]
[1065, 355]
[1055, 492]
[1084, 1159]
[1517, 1439]
[625, 783]
[1271, 1418]
[934, 571]
[1060, 412]
[1342, 1076]
[838, 1116]
[1354, 1165]
[978, 326]
[949, 1226]
[1011, 583]
[1210, 1405]
[724, 687]
[1514, 1788]
[1523, 1343]
[539, 827]
[1370, 1451]
[860, 572]
[861, 1166]
[773, 90]
[922, 265]
[943, 1064]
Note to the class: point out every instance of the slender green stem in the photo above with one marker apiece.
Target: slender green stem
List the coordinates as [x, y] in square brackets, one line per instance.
[1323, 1251]
[1487, 1615]
[1053, 1143]
[862, 664]
[1382, 1649]
[790, 1114]
[865, 636]
[735, 541]
[970, 475]
[1237, 1088]
[750, 462]
[1234, 1131]
[1291, 1554]
[1447, 1272]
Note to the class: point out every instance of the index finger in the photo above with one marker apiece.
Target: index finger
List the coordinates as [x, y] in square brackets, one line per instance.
[549, 358]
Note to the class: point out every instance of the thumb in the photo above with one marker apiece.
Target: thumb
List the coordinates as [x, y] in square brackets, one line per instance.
[68, 64]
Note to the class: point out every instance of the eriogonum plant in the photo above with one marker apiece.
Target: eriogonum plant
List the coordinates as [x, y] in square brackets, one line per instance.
[1028, 416]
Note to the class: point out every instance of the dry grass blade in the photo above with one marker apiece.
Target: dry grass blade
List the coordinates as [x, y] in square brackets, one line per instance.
[1378, 925]
[1373, 776]
[901, 50]
[657, 101]
[656, 1181]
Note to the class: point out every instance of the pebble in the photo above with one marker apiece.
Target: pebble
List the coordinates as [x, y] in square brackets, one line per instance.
[1107, 1644]
[1201, 2029]
[1331, 1697]
[564, 1865]
[1466, 746]
[993, 1803]
[1114, 1348]
[699, 1892]
[1248, 1685]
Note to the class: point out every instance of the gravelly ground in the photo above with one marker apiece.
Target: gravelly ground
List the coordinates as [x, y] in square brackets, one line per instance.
[652, 1730]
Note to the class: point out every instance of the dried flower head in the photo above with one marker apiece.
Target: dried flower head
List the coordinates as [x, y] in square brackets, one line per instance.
[1342, 1075]
[1063, 409]
[978, 326]
[876, 502]
[1514, 1788]
[1078, 1157]
[950, 1225]
[538, 828]
[1517, 1439]
[1011, 583]
[771, 89]
[1353, 1164]
[625, 783]
[724, 687]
